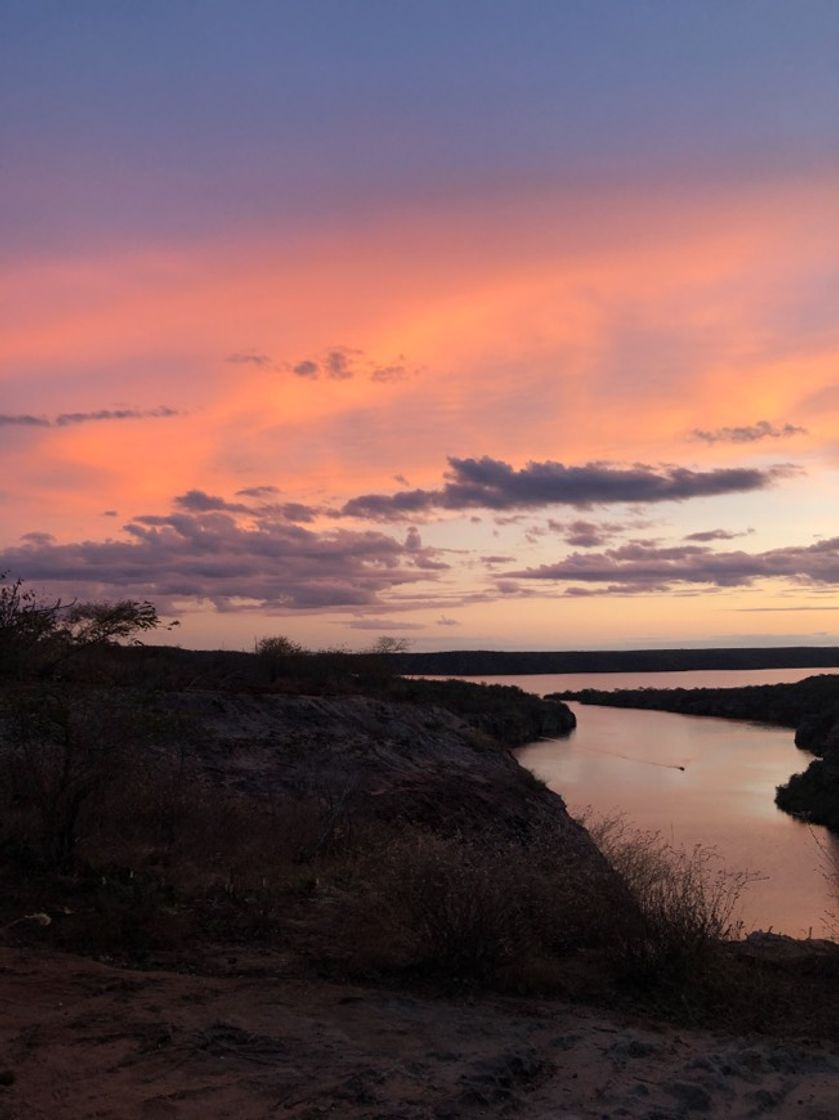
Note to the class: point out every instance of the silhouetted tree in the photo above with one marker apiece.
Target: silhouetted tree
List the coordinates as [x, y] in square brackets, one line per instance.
[37, 635]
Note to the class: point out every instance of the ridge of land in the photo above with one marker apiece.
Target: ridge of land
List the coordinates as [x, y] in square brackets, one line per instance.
[474, 662]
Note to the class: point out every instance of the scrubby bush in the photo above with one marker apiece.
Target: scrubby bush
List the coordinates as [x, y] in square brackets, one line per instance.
[446, 906]
[685, 905]
[483, 910]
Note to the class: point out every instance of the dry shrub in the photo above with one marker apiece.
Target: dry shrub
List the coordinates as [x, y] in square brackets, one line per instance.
[486, 910]
[685, 905]
[448, 905]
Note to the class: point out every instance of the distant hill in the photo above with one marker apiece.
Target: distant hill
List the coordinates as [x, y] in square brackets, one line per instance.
[476, 662]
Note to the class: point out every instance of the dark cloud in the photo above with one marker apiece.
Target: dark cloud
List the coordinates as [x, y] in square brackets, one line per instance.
[201, 552]
[115, 414]
[249, 358]
[306, 368]
[257, 492]
[337, 365]
[490, 560]
[38, 538]
[588, 534]
[23, 421]
[383, 625]
[493, 484]
[588, 537]
[198, 501]
[66, 418]
[717, 535]
[294, 511]
[749, 433]
[384, 374]
[444, 620]
[340, 363]
[637, 568]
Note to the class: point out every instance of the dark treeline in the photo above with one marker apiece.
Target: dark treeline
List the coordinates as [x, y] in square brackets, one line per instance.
[476, 662]
[784, 704]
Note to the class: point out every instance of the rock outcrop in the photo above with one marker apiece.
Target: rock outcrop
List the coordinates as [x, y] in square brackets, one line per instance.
[406, 761]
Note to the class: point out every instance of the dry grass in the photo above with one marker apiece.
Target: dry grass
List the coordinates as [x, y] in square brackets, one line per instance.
[686, 900]
[487, 911]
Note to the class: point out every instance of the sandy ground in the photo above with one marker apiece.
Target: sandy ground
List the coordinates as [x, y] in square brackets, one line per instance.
[82, 1039]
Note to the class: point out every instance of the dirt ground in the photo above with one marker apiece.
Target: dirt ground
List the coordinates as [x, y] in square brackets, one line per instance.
[81, 1039]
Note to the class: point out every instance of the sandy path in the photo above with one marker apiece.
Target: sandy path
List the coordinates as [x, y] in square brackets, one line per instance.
[81, 1040]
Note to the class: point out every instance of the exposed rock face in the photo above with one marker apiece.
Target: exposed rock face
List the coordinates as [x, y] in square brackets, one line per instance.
[406, 761]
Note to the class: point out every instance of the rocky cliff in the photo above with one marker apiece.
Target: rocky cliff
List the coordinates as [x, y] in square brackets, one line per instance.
[415, 762]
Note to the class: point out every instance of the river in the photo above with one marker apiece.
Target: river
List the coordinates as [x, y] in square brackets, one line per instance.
[630, 761]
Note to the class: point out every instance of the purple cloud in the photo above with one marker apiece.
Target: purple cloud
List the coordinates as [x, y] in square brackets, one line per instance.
[638, 568]
[493, 484]
[66, 418]
[248, 358]
[23, 421]
[306, 368]
[204, 551]
[383, 625]
[717, 535]
[748, 433]
[588, 534]
[257, 492]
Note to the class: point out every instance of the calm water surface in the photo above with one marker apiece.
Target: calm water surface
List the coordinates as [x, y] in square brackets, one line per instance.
[625, 760]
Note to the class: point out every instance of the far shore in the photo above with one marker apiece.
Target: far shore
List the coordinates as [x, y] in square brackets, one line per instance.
[474, 662]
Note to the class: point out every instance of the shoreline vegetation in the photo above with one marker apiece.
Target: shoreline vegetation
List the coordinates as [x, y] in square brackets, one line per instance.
[473, 662]
[810, 707]
[162, 810]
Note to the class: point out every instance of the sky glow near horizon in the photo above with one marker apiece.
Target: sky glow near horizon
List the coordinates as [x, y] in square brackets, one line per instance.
[480, 324]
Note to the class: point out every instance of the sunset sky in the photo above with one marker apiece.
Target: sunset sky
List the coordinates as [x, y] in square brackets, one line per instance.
[498, 324]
